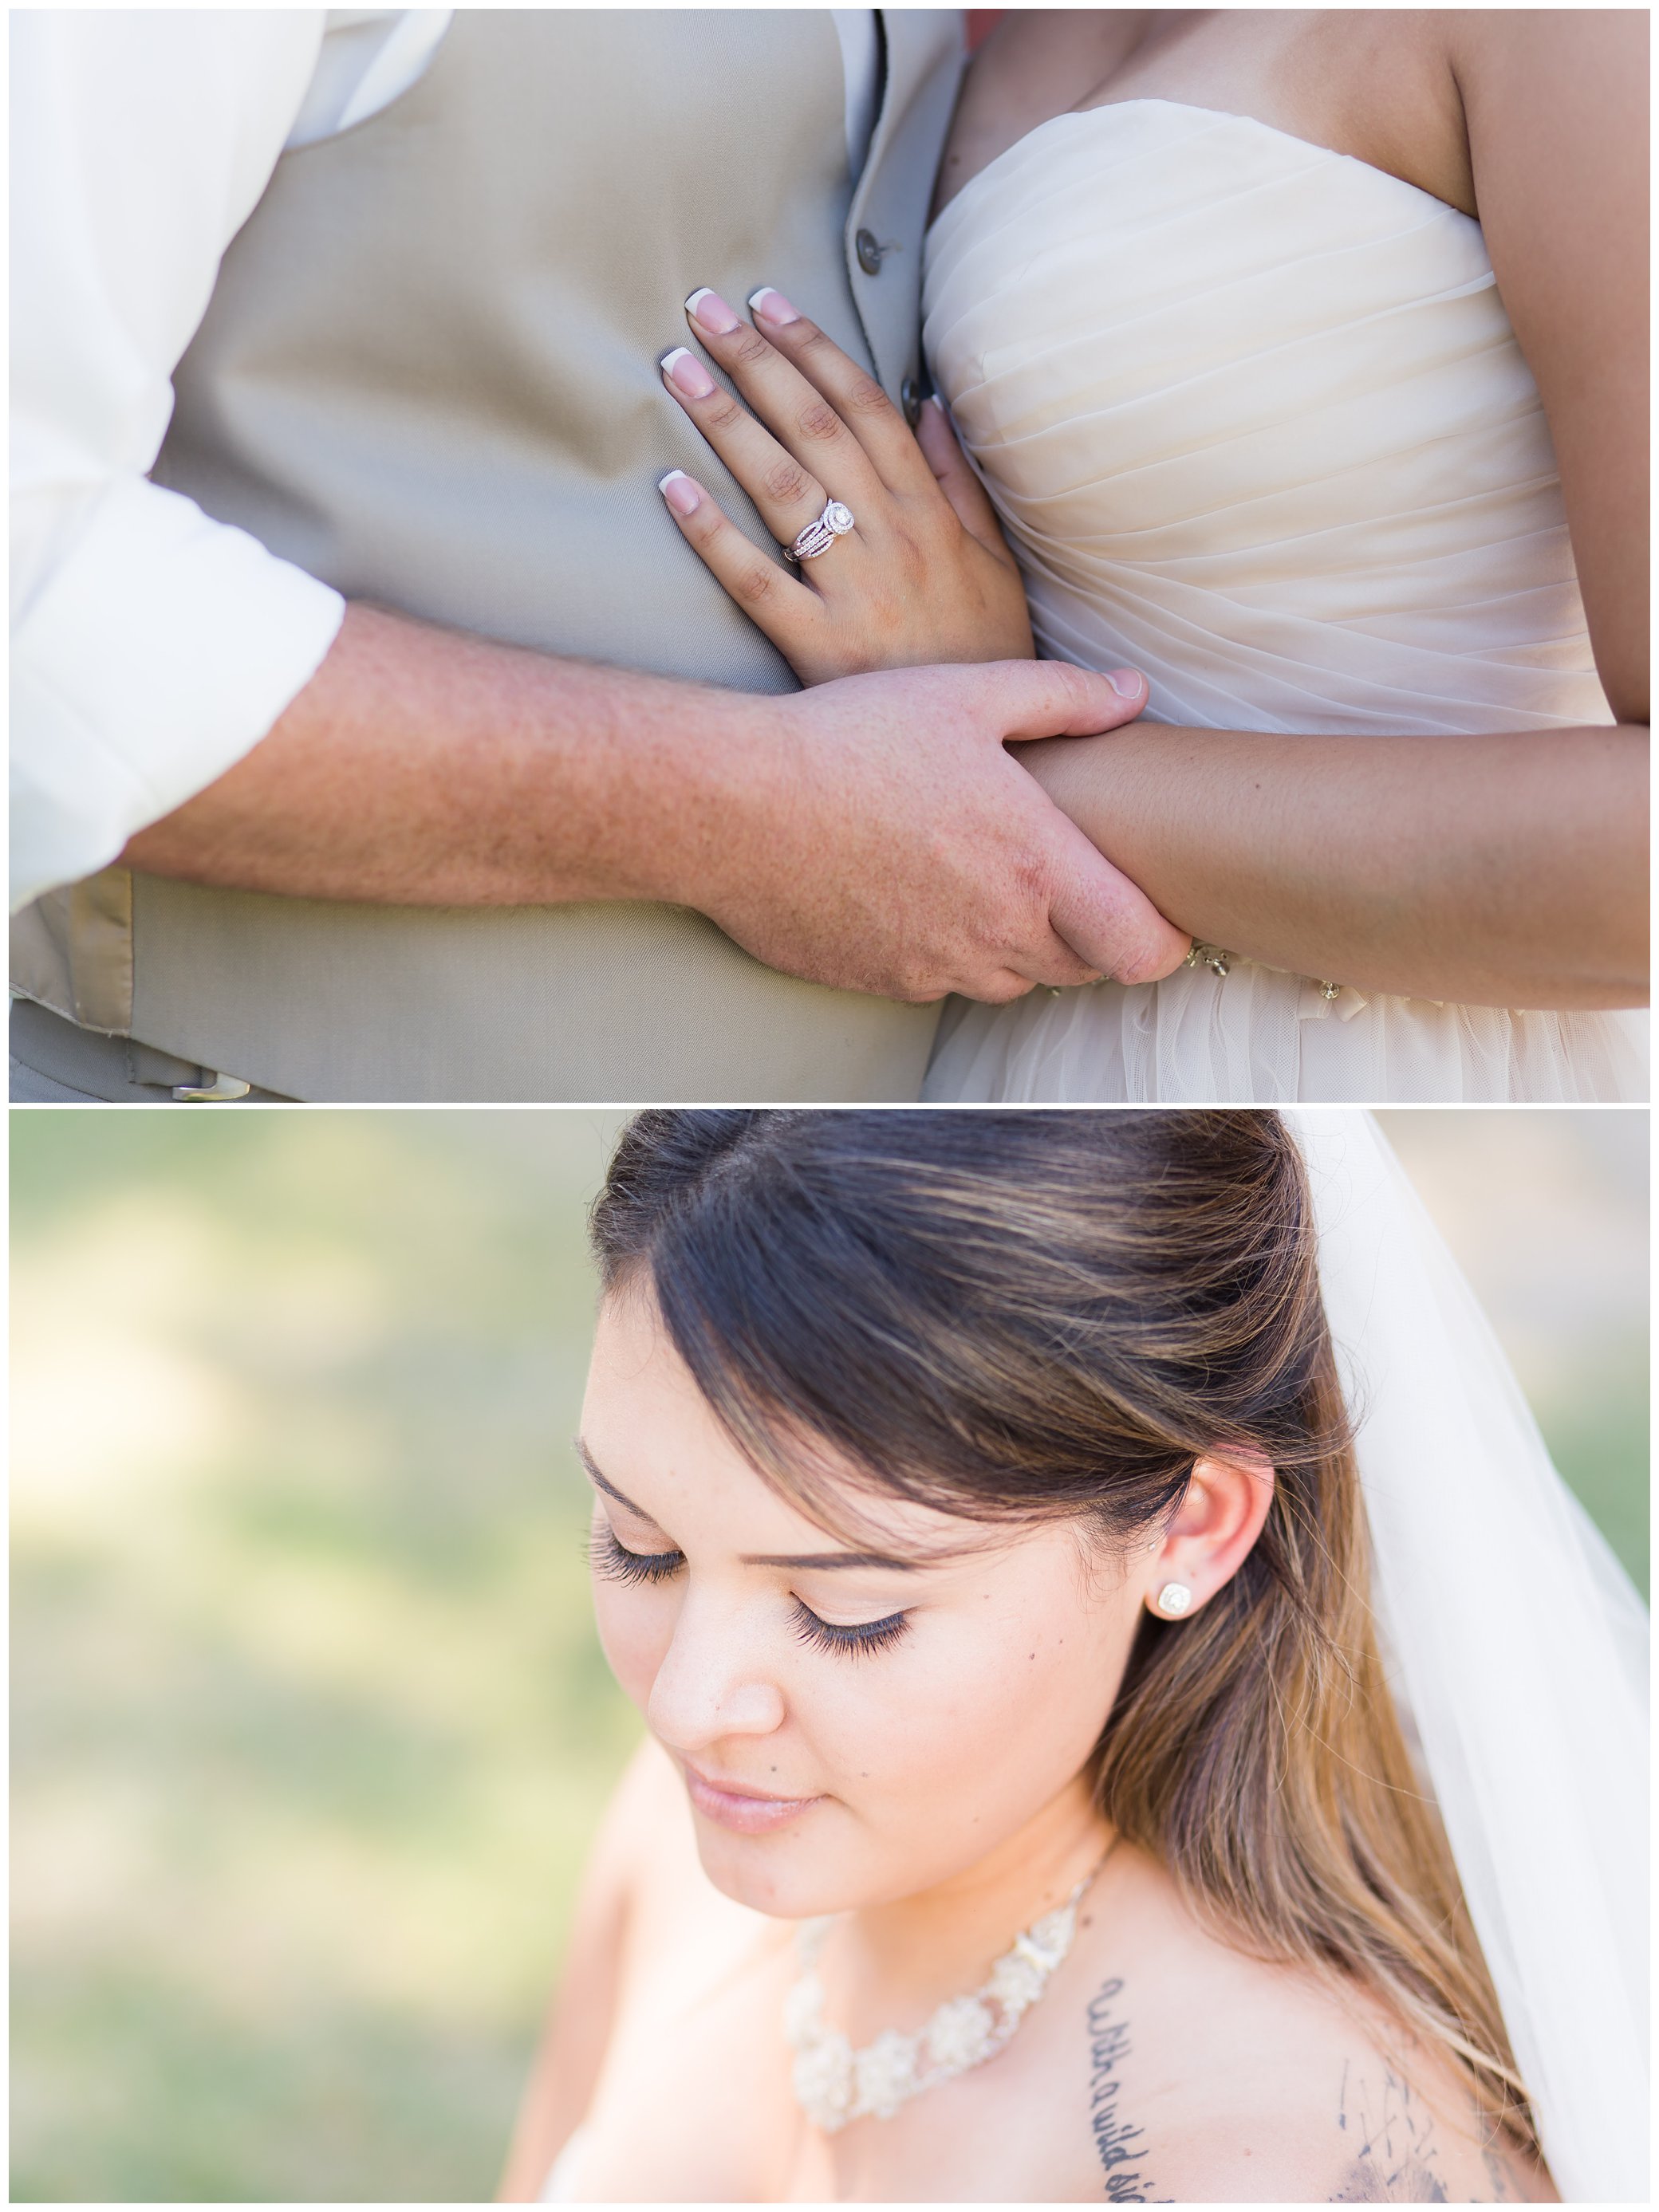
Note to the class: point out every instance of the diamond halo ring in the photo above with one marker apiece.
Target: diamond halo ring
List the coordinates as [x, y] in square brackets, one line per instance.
[818, 537]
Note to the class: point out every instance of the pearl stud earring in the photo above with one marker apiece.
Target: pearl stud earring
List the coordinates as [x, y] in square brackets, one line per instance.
[1173, 1597]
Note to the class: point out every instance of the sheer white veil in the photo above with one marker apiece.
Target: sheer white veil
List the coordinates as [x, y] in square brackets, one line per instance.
[1518, 1650]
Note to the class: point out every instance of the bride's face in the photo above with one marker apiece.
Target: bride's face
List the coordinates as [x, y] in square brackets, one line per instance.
[855, 1725]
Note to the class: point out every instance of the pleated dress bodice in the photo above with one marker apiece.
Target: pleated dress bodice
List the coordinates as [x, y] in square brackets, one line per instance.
[1255, 422]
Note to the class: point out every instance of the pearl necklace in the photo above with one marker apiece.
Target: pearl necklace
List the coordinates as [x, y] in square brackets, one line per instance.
[834, 2084]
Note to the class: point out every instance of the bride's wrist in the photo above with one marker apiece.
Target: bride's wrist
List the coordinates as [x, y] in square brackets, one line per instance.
[1080, 772]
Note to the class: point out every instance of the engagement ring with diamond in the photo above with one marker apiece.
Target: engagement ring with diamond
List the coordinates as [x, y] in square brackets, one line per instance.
[818, 537]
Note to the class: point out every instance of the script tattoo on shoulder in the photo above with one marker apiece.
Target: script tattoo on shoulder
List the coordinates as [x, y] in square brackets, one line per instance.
[1122, 2148]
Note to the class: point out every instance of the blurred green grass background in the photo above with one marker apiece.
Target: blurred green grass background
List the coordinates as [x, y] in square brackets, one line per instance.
[310, 1730]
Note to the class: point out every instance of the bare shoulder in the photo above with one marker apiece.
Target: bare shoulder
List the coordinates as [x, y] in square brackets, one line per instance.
[1294, 2104]
[1215, 2078]
[633, 1819]
[1404, 2143]
[1596, 46]
[1564, 91]
[642, 1856]
[583, 2016]
[1364, 2130]
[645, 1844]
[1556, 102]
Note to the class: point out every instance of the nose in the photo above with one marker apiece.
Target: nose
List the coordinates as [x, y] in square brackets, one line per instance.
[713, 1681]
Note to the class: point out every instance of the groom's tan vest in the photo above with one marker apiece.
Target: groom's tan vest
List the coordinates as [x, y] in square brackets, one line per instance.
[429, 375]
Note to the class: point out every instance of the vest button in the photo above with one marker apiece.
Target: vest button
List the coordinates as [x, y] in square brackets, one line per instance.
[869, 253]
[911, 400]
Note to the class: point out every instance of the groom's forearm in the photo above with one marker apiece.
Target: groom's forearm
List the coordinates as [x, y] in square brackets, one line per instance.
[872, 835]
[1509, 870]
[426, 766]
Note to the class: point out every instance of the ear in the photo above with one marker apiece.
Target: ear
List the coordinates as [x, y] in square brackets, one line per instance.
[1211, 1536]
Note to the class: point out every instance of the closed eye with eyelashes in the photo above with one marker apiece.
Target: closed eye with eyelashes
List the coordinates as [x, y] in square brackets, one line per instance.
[612, 1559]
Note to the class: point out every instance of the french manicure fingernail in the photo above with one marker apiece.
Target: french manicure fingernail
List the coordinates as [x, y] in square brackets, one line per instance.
[772, 305]
[683, 368]
[682, 494]
[707, 307]
[1126, 682]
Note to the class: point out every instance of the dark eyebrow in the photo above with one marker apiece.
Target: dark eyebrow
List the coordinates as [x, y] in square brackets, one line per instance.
[608, 1488]
[814, 1561]
[827, 1559]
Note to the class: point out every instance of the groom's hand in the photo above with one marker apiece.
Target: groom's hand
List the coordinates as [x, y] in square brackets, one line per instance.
[874, 833]
[887, 841]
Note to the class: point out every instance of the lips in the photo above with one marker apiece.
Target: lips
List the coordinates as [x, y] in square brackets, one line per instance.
[745, 1811]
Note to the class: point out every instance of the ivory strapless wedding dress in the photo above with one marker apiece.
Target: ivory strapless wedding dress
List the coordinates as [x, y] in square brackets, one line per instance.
[1255, 422]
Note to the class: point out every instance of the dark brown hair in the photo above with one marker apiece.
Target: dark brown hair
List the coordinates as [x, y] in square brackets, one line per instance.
[1022, 1313]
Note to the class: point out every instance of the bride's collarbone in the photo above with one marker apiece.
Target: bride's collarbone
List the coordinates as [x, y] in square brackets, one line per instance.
[1376, 86]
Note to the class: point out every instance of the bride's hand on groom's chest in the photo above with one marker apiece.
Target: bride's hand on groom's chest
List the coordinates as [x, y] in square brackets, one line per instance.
[901, 563]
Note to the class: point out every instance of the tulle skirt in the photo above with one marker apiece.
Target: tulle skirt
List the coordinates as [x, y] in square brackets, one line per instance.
[1258, 1036]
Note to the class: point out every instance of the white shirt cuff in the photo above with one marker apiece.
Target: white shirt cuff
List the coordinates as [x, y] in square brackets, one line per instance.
[160, 653]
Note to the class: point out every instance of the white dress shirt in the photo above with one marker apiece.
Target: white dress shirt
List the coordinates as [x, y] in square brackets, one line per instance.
[153, 647]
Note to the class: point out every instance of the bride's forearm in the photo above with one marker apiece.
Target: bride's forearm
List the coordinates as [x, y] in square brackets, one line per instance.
[1508, 870]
